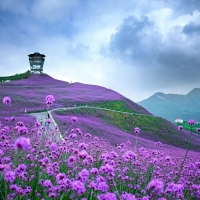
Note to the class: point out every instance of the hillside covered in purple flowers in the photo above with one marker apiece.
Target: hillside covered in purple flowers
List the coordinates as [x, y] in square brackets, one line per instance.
[95, 144]
[29, 94]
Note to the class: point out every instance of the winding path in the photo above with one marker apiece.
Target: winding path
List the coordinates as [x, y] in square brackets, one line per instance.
[43, 115]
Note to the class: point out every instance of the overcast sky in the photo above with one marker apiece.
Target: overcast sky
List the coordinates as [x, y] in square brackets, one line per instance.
[135, 47]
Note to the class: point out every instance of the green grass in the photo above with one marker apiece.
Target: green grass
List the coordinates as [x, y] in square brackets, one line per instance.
[112, 105]
[186, 126]
[153, 128]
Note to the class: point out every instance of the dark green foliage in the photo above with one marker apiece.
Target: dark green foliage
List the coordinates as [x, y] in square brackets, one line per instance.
[113, 105]
[186, 126]
[15, 77]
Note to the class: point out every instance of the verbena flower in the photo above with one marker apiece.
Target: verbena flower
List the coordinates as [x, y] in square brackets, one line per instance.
[102, 186]
[198, 129]
[49, 100]
[191, 122]
[12, 118]
[78, 186]
[107, 196]
[129, 156]
[74, 119]
[6, 100]
[175, 189]
[20, 124]
[9, 176]
[71, 159]
[83, 175]
[180, 128]
[137, 130]
[157, 186]
[22, 143]
[94, 171]
[127, 196]
[48, 121]
[83, 154]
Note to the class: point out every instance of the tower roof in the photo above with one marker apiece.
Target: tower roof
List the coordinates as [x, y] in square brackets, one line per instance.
[36, 54]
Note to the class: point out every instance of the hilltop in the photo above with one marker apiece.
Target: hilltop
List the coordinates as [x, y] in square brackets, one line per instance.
[30, 94]
[116, 127]
[173, 106]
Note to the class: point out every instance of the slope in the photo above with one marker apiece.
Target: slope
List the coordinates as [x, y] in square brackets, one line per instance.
[30, 94]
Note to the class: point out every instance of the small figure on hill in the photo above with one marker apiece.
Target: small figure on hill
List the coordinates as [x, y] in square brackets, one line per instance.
[41, 121]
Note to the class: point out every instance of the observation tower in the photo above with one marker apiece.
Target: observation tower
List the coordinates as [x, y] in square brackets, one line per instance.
[36, 62]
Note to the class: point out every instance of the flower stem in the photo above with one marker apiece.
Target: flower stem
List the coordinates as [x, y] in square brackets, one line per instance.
[136, 143]
[188, 147]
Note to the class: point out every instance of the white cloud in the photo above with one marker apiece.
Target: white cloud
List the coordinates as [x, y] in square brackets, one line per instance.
[53, 10]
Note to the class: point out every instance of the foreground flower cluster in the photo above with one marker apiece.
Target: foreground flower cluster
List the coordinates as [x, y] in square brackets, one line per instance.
[35, 163]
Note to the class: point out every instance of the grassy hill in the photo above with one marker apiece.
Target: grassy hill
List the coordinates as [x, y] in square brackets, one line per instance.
[152, 128]
[117, 127]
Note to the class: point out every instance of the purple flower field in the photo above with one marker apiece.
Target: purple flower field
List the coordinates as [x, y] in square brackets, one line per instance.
[29, 94]
[92, 160]
[98, 127]
[34, 164]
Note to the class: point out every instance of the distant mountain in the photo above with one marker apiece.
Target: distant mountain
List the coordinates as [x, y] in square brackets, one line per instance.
[173, 106]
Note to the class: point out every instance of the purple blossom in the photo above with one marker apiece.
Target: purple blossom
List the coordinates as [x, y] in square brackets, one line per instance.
[157, 185]
[129, 156]
[94, 171]
[198, 129]
[52, 195]
[102, 186]
[6, 100]
[78, 186]
[20, 168]
[71, 159]
[49, 100]
[27, 190]
[87, 135]
[175, 189]
[191, 122]
[74, 119]
[60, 178]
[9, 176]
[22, 130]
[83, 175]
[137, 130]
[20, 124]
[92, 185]
[180, 128]
[12, 118]
[108, 169]
[48, 121]
[83, 146]
[22, 143]
[107, 196]
[127, 196]
[83, 154]
[72, 135]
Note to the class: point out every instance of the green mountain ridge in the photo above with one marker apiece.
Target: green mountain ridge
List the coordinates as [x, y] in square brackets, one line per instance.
[173, 106]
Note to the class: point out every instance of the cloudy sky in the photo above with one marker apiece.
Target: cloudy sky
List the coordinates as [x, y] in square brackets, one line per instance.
[135, 47]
